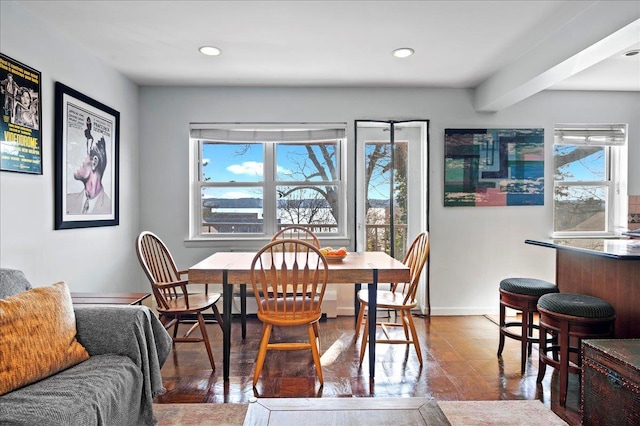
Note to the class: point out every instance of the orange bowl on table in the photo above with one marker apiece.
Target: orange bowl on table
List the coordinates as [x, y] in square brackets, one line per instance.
[335, 258]
[333, 255]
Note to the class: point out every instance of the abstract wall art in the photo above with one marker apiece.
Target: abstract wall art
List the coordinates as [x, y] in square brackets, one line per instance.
[494, 167]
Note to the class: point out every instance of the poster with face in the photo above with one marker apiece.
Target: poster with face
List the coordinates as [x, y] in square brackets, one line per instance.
[86, 161]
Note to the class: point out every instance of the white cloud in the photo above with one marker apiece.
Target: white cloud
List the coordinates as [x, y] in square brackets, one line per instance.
[283, 171]
[252, 168]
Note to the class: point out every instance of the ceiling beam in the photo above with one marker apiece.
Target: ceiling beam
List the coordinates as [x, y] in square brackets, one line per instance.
[604, 29]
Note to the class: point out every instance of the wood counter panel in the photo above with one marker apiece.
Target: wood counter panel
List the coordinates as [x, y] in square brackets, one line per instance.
[616, 281]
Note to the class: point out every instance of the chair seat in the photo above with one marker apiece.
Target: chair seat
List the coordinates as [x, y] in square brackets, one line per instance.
[197, 302]
[577, 305]
[289, 311]
[387, 299]
[528, 286]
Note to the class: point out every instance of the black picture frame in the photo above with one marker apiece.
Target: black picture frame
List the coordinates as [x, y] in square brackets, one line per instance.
[21, 117]
[87, 139]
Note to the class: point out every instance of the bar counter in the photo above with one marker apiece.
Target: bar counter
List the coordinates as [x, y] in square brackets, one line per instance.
[604, 268]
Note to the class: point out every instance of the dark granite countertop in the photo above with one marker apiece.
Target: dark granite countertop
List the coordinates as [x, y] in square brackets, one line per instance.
[622, 249]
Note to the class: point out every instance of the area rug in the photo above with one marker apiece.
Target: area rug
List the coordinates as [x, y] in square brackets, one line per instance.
[200, 414]
[512, 413]
[459, 413]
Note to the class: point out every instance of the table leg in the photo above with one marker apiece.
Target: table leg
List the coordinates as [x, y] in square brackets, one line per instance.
[372, 314]
[227, 294]
[243, 309]
[356, 302]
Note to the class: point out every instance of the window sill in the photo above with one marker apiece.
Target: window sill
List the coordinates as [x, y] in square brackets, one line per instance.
[599, 235]
[253, 243]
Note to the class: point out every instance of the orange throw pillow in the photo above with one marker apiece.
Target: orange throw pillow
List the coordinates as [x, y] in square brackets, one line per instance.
[38, 336]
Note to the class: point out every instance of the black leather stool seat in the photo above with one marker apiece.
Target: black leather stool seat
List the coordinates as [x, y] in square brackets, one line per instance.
[528, 286]
[577, 305]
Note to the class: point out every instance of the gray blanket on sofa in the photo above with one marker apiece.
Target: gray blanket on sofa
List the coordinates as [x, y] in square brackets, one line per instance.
[128, 346]
[149, 354]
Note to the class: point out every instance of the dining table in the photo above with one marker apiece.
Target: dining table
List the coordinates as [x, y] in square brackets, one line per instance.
[357, 268]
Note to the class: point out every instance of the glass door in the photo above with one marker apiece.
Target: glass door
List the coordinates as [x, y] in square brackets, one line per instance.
[392, 188]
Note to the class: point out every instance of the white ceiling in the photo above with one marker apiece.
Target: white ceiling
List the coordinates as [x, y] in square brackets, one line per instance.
[507, 50]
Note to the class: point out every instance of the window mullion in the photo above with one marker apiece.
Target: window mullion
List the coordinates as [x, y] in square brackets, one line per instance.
[269, 195]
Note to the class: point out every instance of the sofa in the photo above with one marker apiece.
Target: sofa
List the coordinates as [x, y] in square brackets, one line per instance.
[122, 349]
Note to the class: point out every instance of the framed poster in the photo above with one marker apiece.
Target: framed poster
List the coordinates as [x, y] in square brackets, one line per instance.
[494, 167]
[20, 137]
[87, 136]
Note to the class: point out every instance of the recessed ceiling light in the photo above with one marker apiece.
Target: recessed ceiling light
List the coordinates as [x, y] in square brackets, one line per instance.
[403, 52]
[632, 52]
[210, 51]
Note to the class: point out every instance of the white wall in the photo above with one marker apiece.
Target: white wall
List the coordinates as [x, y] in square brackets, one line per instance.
[472, 249]
[88, 259]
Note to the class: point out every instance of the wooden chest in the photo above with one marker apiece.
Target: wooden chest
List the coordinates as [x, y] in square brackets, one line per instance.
[610, 382]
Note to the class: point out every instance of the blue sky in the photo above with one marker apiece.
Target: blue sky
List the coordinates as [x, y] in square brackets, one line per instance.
[244, 163]
[591, 168]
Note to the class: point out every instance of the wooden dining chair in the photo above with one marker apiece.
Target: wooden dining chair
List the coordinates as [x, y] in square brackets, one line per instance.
[297, 232]
[401, 298]
[170, 290]
[279, 266]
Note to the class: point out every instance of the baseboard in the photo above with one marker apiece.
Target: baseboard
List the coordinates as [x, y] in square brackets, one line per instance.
[463, 311]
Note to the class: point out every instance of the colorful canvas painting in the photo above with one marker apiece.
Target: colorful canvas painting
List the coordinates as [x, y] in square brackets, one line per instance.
[493, 167]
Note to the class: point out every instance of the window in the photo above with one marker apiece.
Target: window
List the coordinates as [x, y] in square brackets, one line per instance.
[590, 174]
[252, 179]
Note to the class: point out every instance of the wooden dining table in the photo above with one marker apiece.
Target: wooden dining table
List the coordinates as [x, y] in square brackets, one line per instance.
[234, 268]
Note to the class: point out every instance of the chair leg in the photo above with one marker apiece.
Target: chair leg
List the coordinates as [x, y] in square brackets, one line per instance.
[175, 327]
[216, 313]
[564, 362]
[530, 335]
[205, 337]
[262, 351]
[405, 324]
[524, 341]
[316, 332]
[542, 351]
[363, 307]
[365, 339]
[414, 336]
[315, 351]
[502, 337]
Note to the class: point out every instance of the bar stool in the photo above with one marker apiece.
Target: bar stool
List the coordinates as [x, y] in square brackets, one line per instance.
[570, 317]
[521, 294]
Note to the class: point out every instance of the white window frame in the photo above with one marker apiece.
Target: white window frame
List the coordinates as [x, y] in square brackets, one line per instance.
[198, 136]
[613, 138]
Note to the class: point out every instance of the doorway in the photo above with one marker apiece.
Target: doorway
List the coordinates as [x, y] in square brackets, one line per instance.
[392, 188]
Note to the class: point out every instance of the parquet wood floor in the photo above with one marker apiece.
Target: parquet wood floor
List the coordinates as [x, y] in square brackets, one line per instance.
[459, 356]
